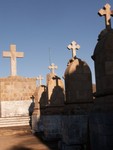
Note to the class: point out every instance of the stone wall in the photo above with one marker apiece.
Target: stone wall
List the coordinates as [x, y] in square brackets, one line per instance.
[16, 88]
[15, 108]
[16, 96]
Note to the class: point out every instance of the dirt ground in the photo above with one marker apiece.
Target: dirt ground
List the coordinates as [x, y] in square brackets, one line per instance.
[25, 142]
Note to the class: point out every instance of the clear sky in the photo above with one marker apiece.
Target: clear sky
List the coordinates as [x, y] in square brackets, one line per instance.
[43, 29]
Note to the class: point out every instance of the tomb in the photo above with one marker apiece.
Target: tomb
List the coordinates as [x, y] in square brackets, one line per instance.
[40, 97]
[53, 111]
[103, 58]
[78, 86]
[101, 117]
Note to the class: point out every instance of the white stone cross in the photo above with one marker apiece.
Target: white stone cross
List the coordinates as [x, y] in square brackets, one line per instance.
[52, 68]
[40, 78]
[13, 55]
[73, 46]
[107, 13]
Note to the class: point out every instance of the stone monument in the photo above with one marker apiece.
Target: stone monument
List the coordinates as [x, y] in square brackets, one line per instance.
[15, 91]
[101, 118]
[55, 93]
[55, 88]
[40, 97]
[13, 55]
[78, 86]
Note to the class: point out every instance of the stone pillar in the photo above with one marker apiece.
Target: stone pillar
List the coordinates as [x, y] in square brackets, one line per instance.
[40, 103]
[78, 86]
[55, 89]
[101, 118]
[53, 111]
[103, 60]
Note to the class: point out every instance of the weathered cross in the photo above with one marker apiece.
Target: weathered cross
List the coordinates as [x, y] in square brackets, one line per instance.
[13, 55]
[40, 78]
[52, 68]
[73, 46]
[107, 13]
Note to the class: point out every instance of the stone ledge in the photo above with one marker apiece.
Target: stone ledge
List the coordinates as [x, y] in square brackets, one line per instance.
[15, 130]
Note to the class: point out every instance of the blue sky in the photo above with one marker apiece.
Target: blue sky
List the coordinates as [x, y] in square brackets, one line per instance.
[43, 29]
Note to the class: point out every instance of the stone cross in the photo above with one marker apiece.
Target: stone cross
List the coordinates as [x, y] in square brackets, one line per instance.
[57, 79]
[107, 13]
[40, 78]
[52, 68]
[13, 55]
[73, 46]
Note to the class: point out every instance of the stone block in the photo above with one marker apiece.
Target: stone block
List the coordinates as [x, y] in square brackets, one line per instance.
[63, 146]
[109, 67]
[101, 131]
[35, 120]
[52, 127]
[16, 88]
[55, 90]
[78, 82]
[74, 129]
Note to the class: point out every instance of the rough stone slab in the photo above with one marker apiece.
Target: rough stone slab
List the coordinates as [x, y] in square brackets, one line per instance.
[63, 146]
[52, 127]
[16, 88]
[74, 129]
[101, 131]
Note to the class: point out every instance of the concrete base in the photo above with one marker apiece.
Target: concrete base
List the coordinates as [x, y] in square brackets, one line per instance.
[14, 121]
[101, 123]
[15, 108]
[52, 127]
[101, 131]
[75, 129]
[37, 123]
[63, 146]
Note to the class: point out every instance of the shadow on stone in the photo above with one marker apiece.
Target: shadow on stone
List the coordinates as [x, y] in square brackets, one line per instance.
[31, 108]
[53, 145]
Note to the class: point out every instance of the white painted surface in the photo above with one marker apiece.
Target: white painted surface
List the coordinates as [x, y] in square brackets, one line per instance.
[15, 108]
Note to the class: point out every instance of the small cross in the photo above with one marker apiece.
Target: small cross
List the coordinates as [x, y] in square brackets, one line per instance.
[13, 55]
[57, 79]
[107, 13]
[52, 68]
[40, 78]
[73, 46]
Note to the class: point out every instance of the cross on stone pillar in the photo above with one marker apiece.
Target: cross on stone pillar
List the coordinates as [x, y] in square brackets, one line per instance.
[13, 55]
[57, 79]
[107, 13]
[73, 46]
[52, 68]
[40, 78]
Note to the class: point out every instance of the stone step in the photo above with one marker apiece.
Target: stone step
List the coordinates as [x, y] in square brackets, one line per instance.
[15, 130]
[14, 121]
